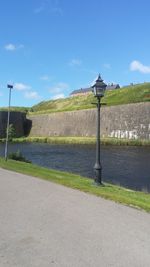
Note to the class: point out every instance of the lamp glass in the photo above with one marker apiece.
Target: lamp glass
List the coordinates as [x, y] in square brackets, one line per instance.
[99, 91]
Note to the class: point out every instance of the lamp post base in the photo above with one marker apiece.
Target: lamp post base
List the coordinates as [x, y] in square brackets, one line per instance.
[98, 174]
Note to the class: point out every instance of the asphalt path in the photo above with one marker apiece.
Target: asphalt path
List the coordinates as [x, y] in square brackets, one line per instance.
[43, 224]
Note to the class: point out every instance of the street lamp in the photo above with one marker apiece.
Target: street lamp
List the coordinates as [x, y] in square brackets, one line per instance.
[98, 89]
[8, 119]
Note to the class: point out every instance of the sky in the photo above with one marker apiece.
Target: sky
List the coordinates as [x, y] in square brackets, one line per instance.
[48, 48]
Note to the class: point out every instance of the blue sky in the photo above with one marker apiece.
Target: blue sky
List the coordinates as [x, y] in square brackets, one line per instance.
[48, 48]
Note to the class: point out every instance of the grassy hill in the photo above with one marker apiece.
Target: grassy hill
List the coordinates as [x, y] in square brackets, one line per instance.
[126, 95]
[20, 109]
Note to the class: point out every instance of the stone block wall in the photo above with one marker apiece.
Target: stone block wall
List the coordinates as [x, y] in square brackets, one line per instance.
[131, 121]
[16, 118]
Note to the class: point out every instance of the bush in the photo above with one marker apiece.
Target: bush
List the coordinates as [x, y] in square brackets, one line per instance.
[18, 156]
[11, 132]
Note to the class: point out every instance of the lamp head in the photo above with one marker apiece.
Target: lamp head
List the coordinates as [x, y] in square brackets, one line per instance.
[10, 86]
[99, 87]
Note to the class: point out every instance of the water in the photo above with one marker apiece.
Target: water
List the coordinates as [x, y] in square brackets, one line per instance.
[122, 165]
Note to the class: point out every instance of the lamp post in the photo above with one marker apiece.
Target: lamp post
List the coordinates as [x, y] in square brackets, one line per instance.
[98, 89]
[8, 119]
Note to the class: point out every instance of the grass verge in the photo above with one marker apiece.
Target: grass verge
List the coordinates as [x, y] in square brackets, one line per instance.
[82, 140]
[118, 194]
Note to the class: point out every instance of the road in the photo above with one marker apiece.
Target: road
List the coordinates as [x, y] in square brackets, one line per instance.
[43, 224]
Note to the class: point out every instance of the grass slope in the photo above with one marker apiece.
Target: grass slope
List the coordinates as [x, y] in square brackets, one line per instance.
[126, 95]
[118, 194]
[19, 109]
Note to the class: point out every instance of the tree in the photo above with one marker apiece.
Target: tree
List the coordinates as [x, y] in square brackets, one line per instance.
[11, 132]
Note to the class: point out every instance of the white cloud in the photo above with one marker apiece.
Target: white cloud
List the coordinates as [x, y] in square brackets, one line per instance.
[44, 78]
[27, 91]
[13, 47]
[21, 87]
[49, 6]
[10, 47]
[59, 87]
[75, 62]
[138, 66]
[58, 96]
[31, 95]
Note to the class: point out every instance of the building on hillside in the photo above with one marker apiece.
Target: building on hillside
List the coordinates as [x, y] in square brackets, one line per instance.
[86, 91]
[82, 91]
[112, 86]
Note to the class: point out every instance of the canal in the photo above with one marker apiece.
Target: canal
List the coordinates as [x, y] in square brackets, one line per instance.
[128, 166]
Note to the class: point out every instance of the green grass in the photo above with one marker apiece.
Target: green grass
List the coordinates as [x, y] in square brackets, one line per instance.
[126, 95]
[66, 104]
[132, 94]
[56, 140]
[80, 140]
[118, 194]
[19, 109]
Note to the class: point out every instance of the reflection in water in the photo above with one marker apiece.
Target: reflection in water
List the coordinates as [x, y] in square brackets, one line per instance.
[122, 165]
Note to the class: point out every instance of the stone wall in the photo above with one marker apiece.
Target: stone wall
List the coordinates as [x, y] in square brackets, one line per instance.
[130, 121]
[18, 120]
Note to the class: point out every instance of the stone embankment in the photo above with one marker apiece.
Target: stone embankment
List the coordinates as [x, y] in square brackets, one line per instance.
[131, 121]
[18, 119]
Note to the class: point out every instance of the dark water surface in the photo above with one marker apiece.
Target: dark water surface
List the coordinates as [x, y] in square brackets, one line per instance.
[122, 165]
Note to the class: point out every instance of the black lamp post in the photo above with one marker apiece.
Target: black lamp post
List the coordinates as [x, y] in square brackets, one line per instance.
[98, 89]
[8, 119]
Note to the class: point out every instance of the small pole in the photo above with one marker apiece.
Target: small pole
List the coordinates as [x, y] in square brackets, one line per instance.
[8, 119]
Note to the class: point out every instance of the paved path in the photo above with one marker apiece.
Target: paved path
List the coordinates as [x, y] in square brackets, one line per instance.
[43, 224]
